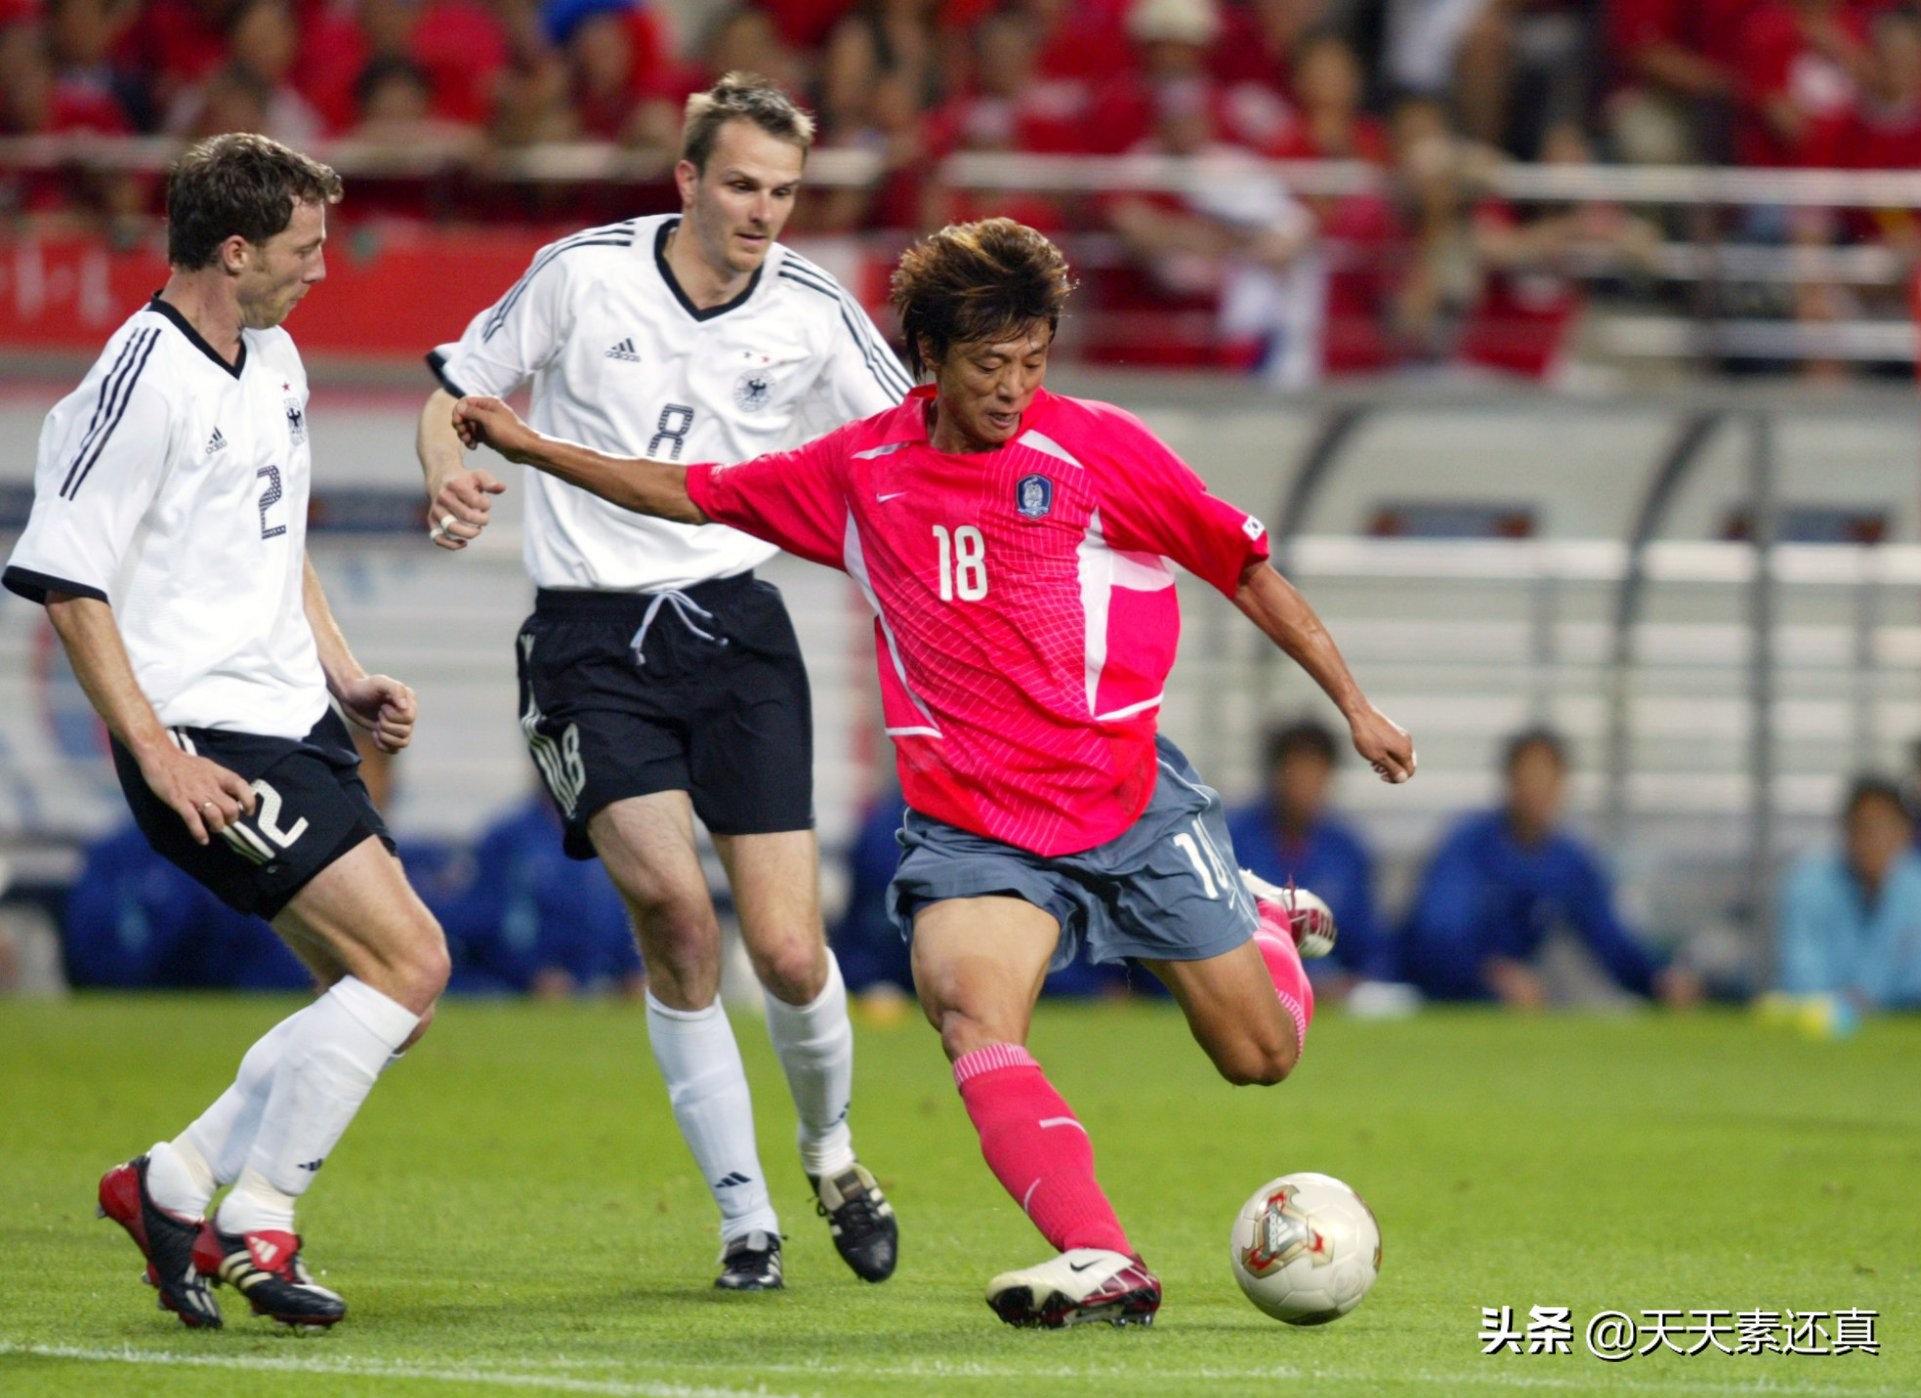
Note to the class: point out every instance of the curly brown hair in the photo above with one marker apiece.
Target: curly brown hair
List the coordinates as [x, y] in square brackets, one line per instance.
[239, 183]
[977, 282]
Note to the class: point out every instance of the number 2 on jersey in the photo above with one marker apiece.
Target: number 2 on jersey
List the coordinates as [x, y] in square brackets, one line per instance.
[269, 497]
[963, 563]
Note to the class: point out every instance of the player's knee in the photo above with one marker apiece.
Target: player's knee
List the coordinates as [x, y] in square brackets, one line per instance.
[1251, 1061]
[795, 971]
[422, 967]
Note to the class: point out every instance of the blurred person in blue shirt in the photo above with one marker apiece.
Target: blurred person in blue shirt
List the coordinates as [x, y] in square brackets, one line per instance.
[1850, 915]
[1289, 836]
[533, 921]
[1501, 881]
[134, 921]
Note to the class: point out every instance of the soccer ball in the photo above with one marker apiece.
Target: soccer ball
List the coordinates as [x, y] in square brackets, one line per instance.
[1305, 1248]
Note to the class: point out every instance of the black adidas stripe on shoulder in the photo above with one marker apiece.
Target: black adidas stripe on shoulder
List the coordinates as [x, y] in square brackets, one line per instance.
[115, 393]
[878, 357]
[612, 235]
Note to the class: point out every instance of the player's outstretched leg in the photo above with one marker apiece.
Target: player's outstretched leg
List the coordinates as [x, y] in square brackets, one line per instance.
[1042, 1156]
[165, 1240]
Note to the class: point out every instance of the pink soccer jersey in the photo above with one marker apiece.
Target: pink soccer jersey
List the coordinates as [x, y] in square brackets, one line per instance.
[1025, 616]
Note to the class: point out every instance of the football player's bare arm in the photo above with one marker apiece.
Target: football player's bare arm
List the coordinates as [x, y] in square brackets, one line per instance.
[1272, 603]
[202, 793]
[378, 703]
[657, 488]
[458, 500]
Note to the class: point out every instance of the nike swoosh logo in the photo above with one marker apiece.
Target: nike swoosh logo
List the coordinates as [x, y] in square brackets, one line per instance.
[883, 499]
[1082, 1266]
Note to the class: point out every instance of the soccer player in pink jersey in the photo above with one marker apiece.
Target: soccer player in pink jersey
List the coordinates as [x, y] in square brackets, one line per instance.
[1016, 547]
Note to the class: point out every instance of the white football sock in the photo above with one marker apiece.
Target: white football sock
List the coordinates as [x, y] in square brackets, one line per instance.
[253, 1205]
[179, 1179]
[332, 1052]
[707, 1085]
[223, 1134]
[816, 1047]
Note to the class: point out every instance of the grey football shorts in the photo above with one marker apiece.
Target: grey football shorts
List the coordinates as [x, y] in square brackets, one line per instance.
[1165, 889]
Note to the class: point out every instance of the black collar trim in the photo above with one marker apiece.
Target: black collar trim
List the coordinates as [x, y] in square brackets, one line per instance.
[673, 284]
[195, 339]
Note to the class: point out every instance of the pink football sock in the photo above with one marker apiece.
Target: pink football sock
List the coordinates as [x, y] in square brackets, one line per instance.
[1275, 941]
[1036, 1148]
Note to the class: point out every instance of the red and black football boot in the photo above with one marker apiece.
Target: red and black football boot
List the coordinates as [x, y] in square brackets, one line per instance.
[265, 1267]
[165, 1239]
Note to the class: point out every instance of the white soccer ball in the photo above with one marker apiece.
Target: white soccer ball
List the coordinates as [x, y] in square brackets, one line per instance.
[1305, 1248]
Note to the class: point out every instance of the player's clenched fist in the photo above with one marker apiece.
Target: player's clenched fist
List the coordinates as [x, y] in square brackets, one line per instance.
[461, 508]
[384, 706]
[1385, 744]
[488, 420]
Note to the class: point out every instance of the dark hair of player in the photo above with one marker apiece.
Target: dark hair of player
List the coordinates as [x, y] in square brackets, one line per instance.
[741, 97]
[238, 183]
[1303, 735]
[977, 283]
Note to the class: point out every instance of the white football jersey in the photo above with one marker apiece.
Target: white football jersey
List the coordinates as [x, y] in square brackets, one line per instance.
[622, 362]
[173, 486]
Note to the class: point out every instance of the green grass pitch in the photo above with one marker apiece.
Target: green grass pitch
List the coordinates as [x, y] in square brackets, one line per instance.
[514, 1212]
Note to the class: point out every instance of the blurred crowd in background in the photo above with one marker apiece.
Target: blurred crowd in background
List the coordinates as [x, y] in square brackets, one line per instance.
[1512, 905]
[1425, 266]
[1238, 269]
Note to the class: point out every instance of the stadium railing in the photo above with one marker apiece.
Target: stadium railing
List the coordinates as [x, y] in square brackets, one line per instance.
[1712, 251]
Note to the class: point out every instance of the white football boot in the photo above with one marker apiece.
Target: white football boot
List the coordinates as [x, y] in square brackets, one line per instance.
[1311, 920]
[1080, 1285]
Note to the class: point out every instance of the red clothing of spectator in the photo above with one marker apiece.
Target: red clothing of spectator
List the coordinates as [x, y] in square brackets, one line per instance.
[1523, 318]
[805, 23]
[1711, 29]
[176, 43]
[1366, 246]
[459, 42]
[1123, 115]
[1779, 61]
[1884, 138]
[1045, 118]
[1087, 41]
[82, 103]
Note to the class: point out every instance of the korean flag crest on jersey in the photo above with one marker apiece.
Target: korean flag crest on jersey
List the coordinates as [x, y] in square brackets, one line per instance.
[1034, 496]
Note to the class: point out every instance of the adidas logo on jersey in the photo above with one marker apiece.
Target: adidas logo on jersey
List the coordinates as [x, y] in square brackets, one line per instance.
[624, 351]
[216, 442]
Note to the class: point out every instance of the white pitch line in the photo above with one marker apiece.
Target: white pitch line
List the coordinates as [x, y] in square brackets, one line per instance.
[1592, 1373]
[1494, 1376]
[383, 1369]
